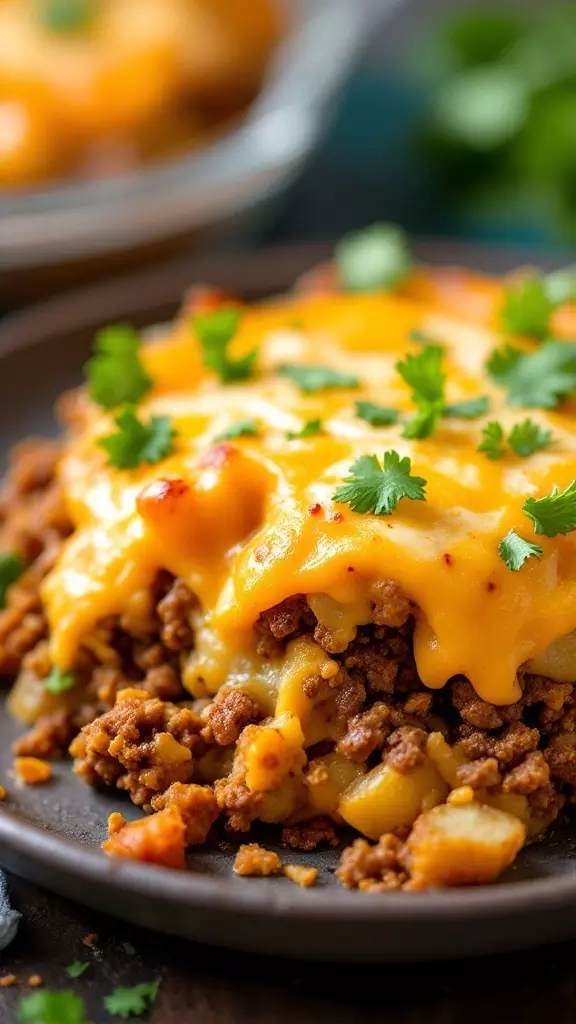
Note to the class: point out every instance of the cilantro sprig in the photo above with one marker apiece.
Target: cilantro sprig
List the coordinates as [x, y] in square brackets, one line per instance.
[377, 488]
[310, 429]
[58, 682]
[528, 437]
[423, 373]
[11, 568]
[135, 442]
[555, 513]
[377, 257]
[133, 1001]
[525, 438]
[115, 374]
[527, 307]
[66, 16]
[538, 379]
[492, 443]
[514, 550]
[46, 1007]
[310, 379]
[376, 415]
[244, 428]
[215, 332]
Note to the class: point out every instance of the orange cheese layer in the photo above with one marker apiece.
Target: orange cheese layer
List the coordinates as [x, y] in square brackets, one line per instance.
[249, 522]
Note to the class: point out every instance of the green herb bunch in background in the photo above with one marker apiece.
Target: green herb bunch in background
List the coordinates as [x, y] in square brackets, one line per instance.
[500, 122]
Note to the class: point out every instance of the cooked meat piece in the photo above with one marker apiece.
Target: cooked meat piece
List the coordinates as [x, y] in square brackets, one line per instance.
[174, 611]
[310, 834]
[366, 733]
[141, 745]
[406, 749]
[376, 868]
[197, 806]
[480, 774]
[231, 710]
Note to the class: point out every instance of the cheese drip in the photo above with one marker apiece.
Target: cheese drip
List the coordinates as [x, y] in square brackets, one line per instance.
[250, 521]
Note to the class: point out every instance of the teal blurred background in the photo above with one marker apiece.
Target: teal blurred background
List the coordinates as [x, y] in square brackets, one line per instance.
[460, 121]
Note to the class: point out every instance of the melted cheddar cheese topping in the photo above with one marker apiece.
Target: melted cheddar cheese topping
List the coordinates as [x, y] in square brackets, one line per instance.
[250, 521]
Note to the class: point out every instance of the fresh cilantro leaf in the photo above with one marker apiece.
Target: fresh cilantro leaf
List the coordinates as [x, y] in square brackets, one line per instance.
[215, 332]
[423, 373]
[135, 442]
[469, 410]
[527, 437]
[514, 550]
[310, 429]
[243, 428]
[58, 682]
[492, 443]
[554, 513]
[420, 337]
[561, 285]
[424, 423]
[131, 1002]
[376, 415]
[317, 378]
[378, 489]
[45, 1007]
[77, 969]
[535, 380]
[527, 307]
[375, 257]
[11, 568]
[115, 373]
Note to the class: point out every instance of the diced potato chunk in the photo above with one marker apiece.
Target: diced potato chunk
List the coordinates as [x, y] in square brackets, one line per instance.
[384, 800]
[304, 658]
[558, 661]
[328, 777]
[446, 758]
[462, 845]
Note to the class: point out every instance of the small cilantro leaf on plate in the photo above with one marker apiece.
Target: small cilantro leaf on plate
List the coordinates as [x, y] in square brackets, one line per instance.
[215, 332]
[11, 568]
[555, 513]
[528, 437]
[115, 373]
[77, 969]
[66, 16]
[492, 443]
[377, 257]
[372, 487]
[317, 378]
[310, 429]
[135, 442]
[58, 682]
[133, 1001]
[46, 1007]
[244, 428]
[527, 307]
[376, 415]
[535, 379]
[514, 550]
[469, 410]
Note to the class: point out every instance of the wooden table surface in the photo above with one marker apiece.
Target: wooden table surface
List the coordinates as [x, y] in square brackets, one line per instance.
[207, 986]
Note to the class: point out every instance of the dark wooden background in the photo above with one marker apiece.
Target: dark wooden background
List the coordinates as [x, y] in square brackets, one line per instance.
[210, 986]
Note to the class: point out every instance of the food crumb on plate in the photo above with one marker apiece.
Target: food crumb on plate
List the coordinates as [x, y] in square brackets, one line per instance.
[306, 877]
[253, 859]
[35, 981]
[32, 770]
[116, 821]
[8, 980]
[91, 939]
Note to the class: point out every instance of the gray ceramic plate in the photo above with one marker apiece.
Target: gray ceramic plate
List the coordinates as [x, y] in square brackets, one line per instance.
[51, 834]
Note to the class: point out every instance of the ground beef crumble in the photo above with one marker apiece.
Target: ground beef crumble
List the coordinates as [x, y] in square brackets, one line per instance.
[150, 744]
